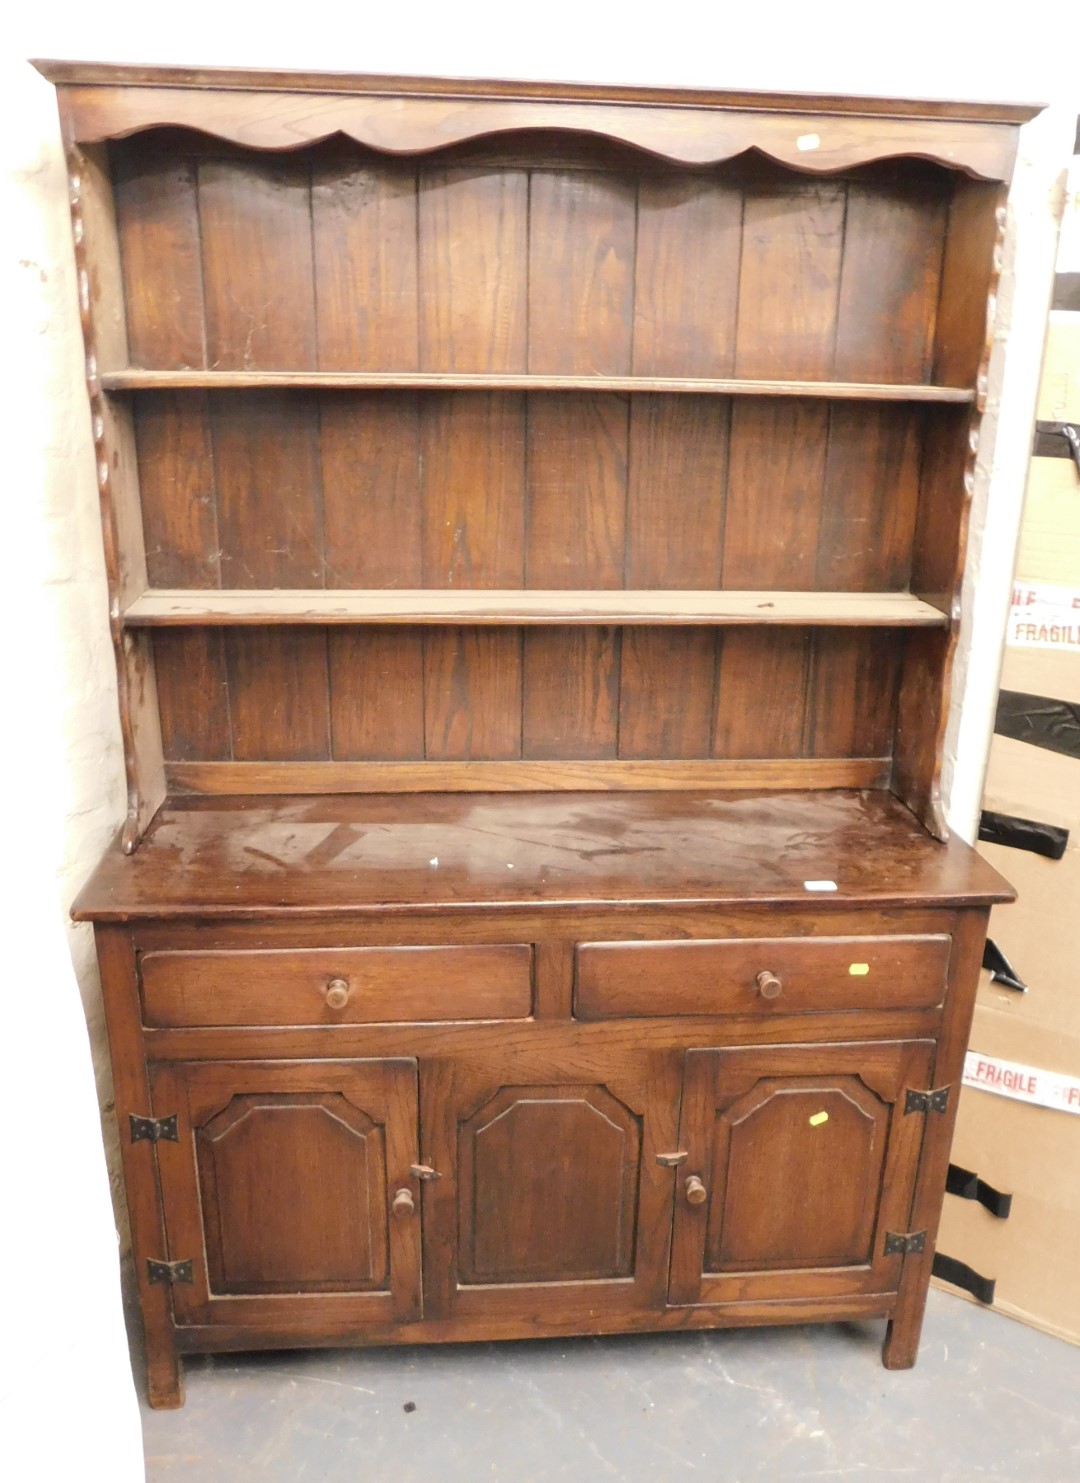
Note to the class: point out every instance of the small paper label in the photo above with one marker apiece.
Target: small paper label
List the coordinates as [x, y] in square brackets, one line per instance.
[819, 1118]
[808, 141]
[1022, 1083]
[859, 970]
[819, 885]
[1043, 616]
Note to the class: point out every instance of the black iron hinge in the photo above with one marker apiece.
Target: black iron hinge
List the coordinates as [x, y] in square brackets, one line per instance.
[169, 1271]
[930, 1101]
[153, 1129]
[897, 1242]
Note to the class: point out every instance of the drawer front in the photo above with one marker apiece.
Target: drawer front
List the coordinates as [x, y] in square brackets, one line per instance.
[781, 975]
[337, 986]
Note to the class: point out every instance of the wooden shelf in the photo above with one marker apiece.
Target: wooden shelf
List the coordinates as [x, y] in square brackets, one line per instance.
[186, 607]
[881, 391]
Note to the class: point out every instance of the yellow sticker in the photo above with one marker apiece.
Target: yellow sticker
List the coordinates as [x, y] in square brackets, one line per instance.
[819, 1118]
[859, 970]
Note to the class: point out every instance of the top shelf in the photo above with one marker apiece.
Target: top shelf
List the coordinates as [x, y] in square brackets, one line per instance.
[878, 391]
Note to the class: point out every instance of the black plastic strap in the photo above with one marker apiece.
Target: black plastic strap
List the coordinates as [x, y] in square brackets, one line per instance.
[1001, 970]
[959, 1274]
[1023, 834]
[1040, 720]
[968, 1186]
[1057, 440]
[1066, 291]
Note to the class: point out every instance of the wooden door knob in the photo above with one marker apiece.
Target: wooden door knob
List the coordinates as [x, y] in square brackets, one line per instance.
[337, 993]
[404, 1204]
[769, 985]
[696, 1193]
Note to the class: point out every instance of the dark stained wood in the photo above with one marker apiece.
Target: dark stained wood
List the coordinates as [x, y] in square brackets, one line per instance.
[807, 1159]
[726, 126]
[472, 270]
[775, 488]
[102, 74]
[570, 705]
[761, 693]
[789, 279]
[893, 243]
[472, 694]
[638, 847]
[104, 333]
[666, 692]
[651, 978]
[262, 1148]
[257, 263]
[193, 694]
[686, 272]
[215, 380]
[364, 227]
[581, 265]
[534, 920]
[381, 985]
[240, 779]
[376, 693]
[157, 221]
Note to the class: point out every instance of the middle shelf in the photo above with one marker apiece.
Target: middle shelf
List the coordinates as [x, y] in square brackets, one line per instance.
[187, 607]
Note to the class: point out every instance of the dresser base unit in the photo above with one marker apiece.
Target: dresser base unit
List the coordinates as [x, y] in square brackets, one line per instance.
[449, 1067]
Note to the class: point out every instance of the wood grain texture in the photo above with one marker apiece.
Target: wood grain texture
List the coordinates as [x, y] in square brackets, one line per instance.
[789, 279]
[104, 332]
[870, 391]
[364, 229]
[157, 221]
[715, 977]
[267, 120]
[384, 985]
[472, 270]
[764, 607]
[655, 845]
[686, 274]
[581, 266]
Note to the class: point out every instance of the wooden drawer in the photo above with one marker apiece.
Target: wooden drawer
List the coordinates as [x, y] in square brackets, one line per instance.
[721, 977]
[382, 984]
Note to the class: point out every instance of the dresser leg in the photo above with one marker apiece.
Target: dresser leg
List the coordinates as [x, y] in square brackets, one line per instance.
[164, 1378]
[901, 1347]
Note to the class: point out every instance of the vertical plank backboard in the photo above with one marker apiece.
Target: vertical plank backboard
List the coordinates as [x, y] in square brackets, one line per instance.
[258, 276]
[893, 241]
[472, 269]
[157, 218]
[581, 272]
[686, 276]
[789, 280]
[363, 220]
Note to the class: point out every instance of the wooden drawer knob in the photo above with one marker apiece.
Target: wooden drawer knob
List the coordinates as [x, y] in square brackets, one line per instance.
[696, 1193]
[404, 1204]
[337, 993]
[769, 985]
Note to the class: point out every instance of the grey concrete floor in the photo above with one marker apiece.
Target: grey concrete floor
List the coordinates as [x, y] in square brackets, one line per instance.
[988, 1400]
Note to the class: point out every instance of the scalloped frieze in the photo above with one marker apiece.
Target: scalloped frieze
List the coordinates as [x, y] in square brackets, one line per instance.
[814, 143]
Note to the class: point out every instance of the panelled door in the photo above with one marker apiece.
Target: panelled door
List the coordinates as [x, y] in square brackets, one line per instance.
[550, 1202]
[800, 1160]
[289, 1190]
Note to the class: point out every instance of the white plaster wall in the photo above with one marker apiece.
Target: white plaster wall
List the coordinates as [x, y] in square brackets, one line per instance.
[64, 764]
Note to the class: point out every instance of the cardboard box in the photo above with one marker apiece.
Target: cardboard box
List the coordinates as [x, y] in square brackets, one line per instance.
[1031, 1151]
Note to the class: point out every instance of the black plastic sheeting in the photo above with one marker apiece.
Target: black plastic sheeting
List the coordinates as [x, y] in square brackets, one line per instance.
[1048, 840]
[1052, 724]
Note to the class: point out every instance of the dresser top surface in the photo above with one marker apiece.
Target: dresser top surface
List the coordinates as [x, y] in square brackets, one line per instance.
[342, 855]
